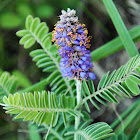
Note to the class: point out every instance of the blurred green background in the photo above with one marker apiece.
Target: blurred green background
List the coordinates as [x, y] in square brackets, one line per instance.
[15, 57]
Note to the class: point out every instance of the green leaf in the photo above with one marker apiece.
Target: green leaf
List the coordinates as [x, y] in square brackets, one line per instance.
[97, 131]
[107, 49]
[29, 43]
[41, 107]
[138, 70]
[132, 87]
[13, 111]
[53, 49]
[47, 43]
[16, 98]
[34, 134]
[34, 24]
[121, 136]
[22, 114]
[87, 107]
[22, 33]
[22, 100]
[86, 89]
[39, 27]
[25, 38]
[123, 88]
[116, 83]
[5, 100]
[135, 79]
[91, 85]
[14, 19]
[137, 136]
[103, 81]
[120, 27]
[8, 84]
[29, 20]
[43, 31]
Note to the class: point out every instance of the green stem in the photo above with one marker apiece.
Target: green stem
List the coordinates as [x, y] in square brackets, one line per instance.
[48, 132]
[129, 120]
[35, 86]
[121, 29]
[78, 89]
[55, 133]
[125, 114]
[114, 45]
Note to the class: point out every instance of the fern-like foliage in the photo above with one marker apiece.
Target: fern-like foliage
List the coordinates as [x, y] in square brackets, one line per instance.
[46, 57]
[97, 131]
[121, 82]
[41, 107]
[8, 84]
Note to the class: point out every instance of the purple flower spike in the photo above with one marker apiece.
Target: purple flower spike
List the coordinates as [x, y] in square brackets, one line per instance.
[73, 42]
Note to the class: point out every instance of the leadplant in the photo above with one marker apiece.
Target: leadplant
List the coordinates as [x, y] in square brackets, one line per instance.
[121, 82]
[61, 111]
[40, 107]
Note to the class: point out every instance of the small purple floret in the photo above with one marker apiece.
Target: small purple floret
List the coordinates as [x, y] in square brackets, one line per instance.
[92, 75]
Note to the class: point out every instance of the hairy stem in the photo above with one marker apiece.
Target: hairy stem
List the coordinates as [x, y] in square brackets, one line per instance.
[78, 89]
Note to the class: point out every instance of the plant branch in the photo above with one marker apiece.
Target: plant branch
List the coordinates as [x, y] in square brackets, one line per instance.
[114, 45]
[35, 86]
[120, 27]
[39, 109]
[78, 89]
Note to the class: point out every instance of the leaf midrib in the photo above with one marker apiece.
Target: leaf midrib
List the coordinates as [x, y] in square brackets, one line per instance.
[41, 109]
[105, 88]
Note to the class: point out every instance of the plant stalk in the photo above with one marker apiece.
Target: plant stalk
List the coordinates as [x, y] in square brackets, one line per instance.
[36, 86]
[120, 27]
[107, 49]
[78, 89]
